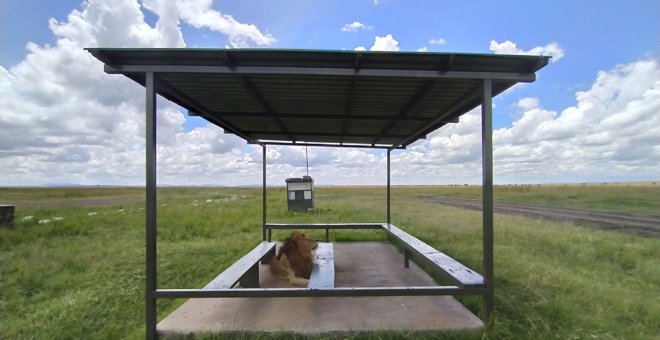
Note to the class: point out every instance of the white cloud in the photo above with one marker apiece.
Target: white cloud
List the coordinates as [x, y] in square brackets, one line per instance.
[528, 103]
[611, 133]
[65, 121]
[437, 41]
[552, 49]
[360, 48]
[386, 43]
[422, 49]
[119, 24]
[326, 165]
[200, 14]
[355, 26]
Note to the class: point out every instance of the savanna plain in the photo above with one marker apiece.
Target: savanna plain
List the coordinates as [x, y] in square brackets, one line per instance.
[72, 266]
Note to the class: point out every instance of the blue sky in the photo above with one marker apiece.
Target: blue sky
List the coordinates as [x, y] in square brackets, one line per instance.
[596, 45]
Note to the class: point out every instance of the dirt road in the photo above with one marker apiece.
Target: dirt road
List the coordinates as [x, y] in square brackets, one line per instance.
[644, 225]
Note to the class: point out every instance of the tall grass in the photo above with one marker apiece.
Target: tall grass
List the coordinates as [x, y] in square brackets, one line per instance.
[83, 276]
[552, 280]
[641, 198]
[79, 276]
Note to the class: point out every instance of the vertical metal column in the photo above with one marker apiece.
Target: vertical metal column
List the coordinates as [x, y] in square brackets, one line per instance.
[388, 187]
[263, 193]
[150, 297]
[487, 187]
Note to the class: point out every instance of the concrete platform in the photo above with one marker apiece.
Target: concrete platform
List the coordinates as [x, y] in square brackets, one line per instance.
[357, 264]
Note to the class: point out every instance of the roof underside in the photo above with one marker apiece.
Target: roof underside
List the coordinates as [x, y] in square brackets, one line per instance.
[336, 98]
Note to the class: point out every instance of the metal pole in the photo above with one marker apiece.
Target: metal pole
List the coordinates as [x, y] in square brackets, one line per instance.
[388, 187]
[306, 160]
[487, 187]
[150, 298]
[263, 193]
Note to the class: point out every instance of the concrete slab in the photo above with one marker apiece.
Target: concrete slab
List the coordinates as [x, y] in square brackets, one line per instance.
[357, 264]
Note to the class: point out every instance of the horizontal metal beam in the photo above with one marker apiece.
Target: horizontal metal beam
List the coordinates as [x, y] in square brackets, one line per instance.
[325, 226]
[326, 292]
[319, 134]
[317, 116]
[329, 145]
[320, 71]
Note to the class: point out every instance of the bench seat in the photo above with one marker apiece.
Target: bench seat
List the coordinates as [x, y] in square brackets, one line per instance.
[323, 272]
[245, 270]
[452, 269]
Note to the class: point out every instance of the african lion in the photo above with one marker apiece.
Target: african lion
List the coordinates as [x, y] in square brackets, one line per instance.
[295, 260]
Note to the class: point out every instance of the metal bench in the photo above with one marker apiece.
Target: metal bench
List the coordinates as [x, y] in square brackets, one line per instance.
[244, 271]
[323, 273]
[450, 268]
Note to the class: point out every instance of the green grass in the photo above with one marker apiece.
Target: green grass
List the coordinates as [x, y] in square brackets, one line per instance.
[640, 198]
[83, 276]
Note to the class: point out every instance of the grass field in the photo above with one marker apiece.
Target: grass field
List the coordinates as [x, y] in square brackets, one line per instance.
[81, 274]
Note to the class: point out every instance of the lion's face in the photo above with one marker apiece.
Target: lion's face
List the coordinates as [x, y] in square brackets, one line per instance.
[302, 241]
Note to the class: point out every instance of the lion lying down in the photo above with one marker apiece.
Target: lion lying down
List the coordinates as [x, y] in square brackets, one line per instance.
[295, 259]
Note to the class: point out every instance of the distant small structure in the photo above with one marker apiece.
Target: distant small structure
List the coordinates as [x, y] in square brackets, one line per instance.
[300, 193]
[7, 215]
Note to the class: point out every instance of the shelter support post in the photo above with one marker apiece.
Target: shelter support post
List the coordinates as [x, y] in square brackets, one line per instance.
[388, 187]
[263, 194]
[150, 293]
[487, 187]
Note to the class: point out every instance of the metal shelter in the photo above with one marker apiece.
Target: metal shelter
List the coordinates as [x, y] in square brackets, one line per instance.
[384, 100]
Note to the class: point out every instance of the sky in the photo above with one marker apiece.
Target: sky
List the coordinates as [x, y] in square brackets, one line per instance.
[592, 115]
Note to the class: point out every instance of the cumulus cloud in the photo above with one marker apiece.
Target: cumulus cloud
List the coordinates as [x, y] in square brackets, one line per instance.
[355, 26]
[200, 14]
[611, 133]
[507, 47]
[600, 137]
[433, 41]
[437, 41]
[386, 43]
[615, 123]
[65, 121]
[326, 165]
[121, 24]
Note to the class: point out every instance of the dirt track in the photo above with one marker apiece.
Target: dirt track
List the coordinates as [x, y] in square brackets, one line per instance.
[644, 225]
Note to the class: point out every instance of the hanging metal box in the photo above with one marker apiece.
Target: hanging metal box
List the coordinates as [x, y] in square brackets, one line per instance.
[300, 193]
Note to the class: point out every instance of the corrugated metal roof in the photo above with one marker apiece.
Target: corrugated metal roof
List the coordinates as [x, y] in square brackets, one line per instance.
[372, 99]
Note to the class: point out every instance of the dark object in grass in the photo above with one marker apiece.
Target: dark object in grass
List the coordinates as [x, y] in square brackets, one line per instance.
[7, 215]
